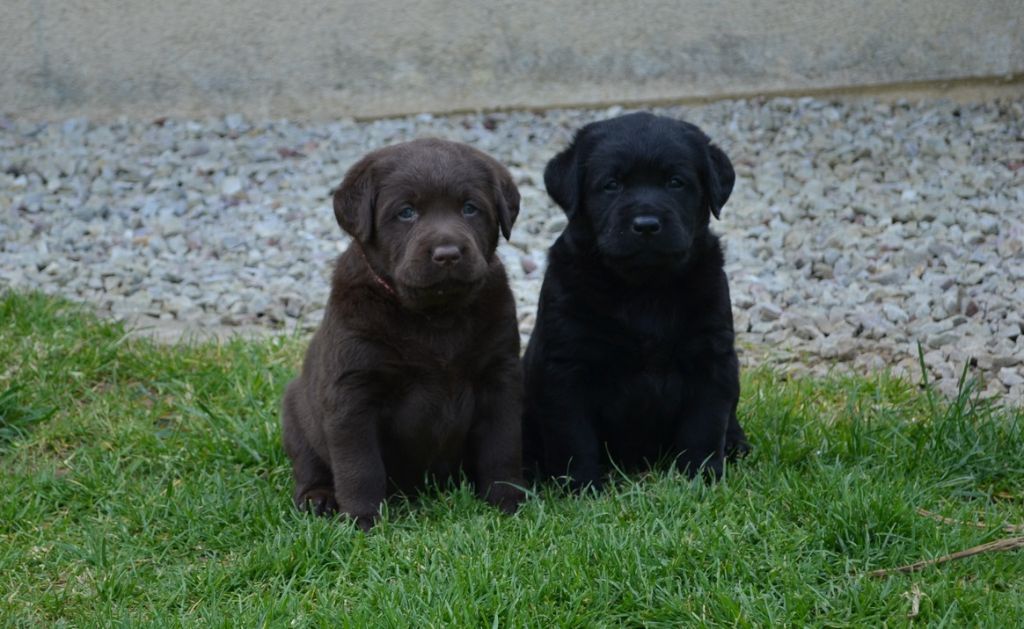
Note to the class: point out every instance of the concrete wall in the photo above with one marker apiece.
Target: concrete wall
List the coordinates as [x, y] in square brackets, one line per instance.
[382, 57]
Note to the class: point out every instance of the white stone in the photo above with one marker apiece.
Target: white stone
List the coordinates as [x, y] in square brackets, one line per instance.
[1011, 377]
[230, 186]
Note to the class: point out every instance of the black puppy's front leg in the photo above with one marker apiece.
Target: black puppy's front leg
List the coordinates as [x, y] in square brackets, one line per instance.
[570, 441]
[496, 439]
[736, 444]
[357, 468]
[701, 436]
[571, 449]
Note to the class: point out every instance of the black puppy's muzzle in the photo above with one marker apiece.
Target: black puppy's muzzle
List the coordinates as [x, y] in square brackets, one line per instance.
[644, 235]
[646, 225]
[649, 227]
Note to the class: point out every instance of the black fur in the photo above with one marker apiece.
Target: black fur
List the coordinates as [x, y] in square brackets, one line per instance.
[632, 358]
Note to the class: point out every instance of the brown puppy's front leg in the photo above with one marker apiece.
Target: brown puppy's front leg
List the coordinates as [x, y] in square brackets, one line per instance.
[314, 487]
[360, 480]
[497, 441]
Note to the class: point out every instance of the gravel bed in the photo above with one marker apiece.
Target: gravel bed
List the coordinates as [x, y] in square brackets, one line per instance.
[857, 228]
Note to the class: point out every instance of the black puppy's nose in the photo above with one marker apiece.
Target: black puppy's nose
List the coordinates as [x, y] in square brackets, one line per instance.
[646, 224]
[446, 254]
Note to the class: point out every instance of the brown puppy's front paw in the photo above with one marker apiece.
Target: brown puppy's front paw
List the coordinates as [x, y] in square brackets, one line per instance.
[365, 522]
[505, 496]
[364, 513]
[319, 501]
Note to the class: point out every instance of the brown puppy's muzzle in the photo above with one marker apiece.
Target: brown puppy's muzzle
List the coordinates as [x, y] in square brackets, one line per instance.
[440, 268]
[446, 256]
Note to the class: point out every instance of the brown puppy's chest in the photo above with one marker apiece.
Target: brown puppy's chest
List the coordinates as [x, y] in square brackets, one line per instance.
[429, 417]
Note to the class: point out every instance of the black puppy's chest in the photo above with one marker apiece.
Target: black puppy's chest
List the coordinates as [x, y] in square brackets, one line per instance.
[656, 349]
[659, 334]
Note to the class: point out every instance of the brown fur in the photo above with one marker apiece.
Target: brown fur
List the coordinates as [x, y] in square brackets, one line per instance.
[413, 373]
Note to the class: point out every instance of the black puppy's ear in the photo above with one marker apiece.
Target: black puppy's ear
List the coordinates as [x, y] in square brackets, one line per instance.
[506, 199]
[562, 179]
[720, 179]
[354, 200]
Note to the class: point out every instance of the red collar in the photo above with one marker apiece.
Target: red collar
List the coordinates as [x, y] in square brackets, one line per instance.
[377, 278]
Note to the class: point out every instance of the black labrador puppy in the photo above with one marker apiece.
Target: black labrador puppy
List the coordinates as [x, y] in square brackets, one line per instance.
[632, 358]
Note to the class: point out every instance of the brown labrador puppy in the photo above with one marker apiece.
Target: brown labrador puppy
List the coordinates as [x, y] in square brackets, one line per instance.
[414, 371]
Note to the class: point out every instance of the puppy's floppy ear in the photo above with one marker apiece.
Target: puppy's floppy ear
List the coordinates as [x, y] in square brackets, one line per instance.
[354, 200]
[562, 178]
[506, 199]
[720, 179]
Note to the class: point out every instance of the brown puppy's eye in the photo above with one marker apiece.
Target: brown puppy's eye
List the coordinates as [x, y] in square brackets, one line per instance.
[469, 209]
[612, 185]
[407, 214]
[675, 182]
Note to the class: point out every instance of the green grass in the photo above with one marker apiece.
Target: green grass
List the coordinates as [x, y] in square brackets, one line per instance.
[146, 485]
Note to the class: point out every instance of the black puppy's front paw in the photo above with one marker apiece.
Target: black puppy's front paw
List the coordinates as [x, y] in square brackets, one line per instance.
[505, 496]
[585, 485]
[736, 446]
[710, 467]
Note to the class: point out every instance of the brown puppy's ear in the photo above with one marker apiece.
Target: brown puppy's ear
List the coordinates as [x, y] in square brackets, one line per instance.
[562, 177]
[506, 199]
[354, 200]
[720, 180]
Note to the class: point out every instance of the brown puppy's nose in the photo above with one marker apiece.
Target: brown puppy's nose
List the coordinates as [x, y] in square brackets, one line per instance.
[446, 255]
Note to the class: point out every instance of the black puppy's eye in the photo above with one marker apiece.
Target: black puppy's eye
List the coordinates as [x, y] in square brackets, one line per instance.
[469, 209]
[612, 185]
[676, 182]
[407, 214]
